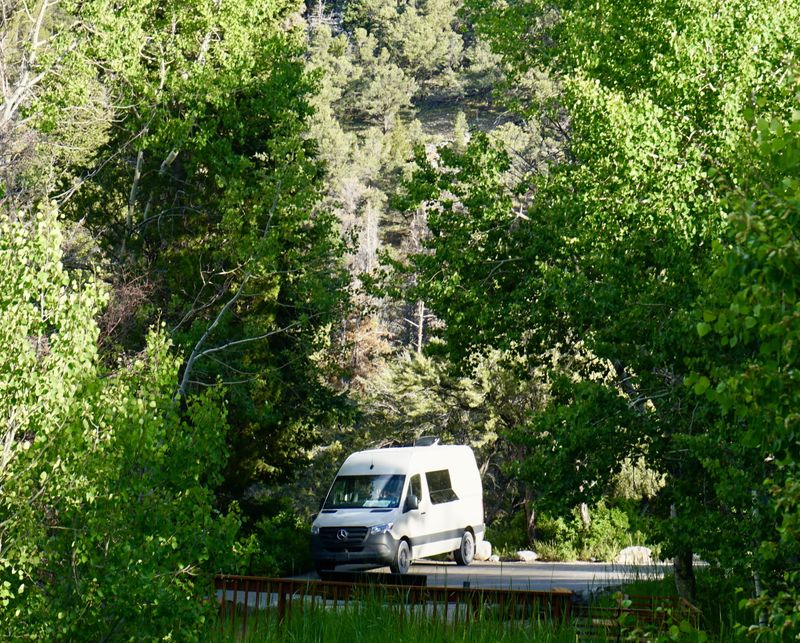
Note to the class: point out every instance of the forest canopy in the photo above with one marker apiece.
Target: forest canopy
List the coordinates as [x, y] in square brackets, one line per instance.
[240, 238]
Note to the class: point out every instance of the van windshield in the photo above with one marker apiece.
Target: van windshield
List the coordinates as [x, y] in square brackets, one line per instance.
[367, 492]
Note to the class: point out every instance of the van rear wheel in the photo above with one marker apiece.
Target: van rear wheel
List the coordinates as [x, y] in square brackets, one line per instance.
[465, 554]
[402, 559]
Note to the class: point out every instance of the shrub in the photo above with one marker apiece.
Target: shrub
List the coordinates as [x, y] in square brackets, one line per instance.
[606, 534]
[568, 539]
[508, 532]
[553, 550]
[556, 530]
[283, 545]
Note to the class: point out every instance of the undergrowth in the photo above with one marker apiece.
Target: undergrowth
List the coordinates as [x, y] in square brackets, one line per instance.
[374, 620]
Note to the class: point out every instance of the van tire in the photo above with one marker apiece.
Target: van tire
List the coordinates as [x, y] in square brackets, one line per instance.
[402, 558]
[465, 554]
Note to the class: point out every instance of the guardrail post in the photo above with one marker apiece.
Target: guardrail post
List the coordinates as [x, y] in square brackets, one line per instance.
[245, 608]
[235, 597]
[223, 601]
[281, 603]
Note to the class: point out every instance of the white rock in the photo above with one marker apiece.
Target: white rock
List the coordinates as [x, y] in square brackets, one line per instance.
[527, 556]
[494, 558]
[635, 556]
[483, 550]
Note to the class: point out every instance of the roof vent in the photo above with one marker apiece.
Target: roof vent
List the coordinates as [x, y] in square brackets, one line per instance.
[426, 441]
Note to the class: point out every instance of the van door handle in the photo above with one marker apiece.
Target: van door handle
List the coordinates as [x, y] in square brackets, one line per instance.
[422, 513]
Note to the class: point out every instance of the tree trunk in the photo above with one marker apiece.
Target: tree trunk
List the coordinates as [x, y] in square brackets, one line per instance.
[586, 517]
[420, 325]
[684, 574]
[683, 566]
[532, 524]
[530, 516]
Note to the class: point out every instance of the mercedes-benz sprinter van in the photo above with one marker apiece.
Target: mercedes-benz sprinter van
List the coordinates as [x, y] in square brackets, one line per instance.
[391, 506]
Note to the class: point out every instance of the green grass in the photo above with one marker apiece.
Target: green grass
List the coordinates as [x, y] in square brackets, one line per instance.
[376, 618]
[717, 600]
[372, 620]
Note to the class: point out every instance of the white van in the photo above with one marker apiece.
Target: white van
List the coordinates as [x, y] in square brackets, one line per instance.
[391, 506]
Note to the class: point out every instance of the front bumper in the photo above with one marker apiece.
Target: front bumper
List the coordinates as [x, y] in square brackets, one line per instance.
[378, 549]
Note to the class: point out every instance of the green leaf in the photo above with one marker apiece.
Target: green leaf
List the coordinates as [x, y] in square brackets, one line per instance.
[701, 385]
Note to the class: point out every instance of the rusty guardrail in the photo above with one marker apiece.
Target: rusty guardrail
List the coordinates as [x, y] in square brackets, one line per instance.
[630, 616]
[264, 599]
[243, 598]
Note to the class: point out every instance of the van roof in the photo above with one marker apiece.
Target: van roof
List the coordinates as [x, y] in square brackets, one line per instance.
[401, 459]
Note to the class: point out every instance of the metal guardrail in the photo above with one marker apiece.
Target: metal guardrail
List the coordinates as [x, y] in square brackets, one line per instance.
[252, 597]
[623, 617]
[630, 616]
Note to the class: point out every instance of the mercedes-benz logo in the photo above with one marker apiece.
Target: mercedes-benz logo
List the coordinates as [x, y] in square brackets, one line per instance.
[341, 534]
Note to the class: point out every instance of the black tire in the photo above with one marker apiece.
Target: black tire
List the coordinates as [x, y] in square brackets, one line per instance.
[402, 559]
[465, 554]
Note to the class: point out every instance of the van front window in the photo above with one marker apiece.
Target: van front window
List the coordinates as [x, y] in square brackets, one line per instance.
[367, 492]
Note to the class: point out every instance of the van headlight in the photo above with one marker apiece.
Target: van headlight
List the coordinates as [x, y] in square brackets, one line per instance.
[314, 530]
[380, 529]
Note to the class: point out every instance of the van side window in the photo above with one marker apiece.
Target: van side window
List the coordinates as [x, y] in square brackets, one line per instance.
[439, 486]
[415, 486]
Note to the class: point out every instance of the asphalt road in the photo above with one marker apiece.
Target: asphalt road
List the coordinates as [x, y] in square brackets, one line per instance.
[577, 577]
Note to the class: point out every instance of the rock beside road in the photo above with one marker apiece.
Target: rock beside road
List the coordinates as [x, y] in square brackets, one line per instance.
[527, 556]
[635, 556]
[483, 550]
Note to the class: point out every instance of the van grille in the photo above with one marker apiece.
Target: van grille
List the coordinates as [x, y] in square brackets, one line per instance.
[330, 537]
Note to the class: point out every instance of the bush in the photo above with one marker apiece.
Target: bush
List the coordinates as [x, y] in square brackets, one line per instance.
[554, 550]
[568, 539]
[284, 542]
[508, 532]
[555, 530]
[606, 535]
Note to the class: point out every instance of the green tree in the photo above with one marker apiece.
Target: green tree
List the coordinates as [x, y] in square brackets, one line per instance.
[424, 39]
[421, 38]
[106, 522]
[616, 243]
[204, 197]
[53, 112]
[380, 89]
[750, 319]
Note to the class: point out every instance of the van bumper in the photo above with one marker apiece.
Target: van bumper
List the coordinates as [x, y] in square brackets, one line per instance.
[378, 549]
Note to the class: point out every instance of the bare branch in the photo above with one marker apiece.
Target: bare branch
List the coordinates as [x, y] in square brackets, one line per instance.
[197, 351]
[137, 175]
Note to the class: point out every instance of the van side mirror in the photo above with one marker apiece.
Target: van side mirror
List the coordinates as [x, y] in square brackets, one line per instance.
[412, 502]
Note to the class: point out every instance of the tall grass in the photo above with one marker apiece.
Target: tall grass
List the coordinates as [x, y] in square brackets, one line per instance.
[372, 620]
[717, 599]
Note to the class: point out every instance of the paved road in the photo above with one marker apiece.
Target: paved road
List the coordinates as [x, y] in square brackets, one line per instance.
[577, 577]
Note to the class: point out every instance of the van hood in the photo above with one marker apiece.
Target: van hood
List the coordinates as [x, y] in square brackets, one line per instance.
[356, 517]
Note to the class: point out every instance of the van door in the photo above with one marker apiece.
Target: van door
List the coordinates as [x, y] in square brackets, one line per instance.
[444, 523]
[414, 521]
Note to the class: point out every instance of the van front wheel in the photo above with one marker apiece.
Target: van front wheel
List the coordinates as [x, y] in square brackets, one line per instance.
[465, 554]
[402, 559]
